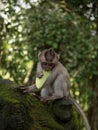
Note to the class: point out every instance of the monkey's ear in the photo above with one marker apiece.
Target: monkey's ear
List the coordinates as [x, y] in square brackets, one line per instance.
[39, 53]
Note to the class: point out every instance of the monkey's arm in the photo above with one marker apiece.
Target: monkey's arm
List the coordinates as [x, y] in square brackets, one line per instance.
[39, 70]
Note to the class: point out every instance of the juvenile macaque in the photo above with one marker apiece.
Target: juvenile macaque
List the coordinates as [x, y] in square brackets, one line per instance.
[57, 85]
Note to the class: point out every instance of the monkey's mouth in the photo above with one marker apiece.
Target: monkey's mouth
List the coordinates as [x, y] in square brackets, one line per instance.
[47, 69]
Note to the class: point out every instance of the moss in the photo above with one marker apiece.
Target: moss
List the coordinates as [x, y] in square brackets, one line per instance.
[42, 118]
[20, 111]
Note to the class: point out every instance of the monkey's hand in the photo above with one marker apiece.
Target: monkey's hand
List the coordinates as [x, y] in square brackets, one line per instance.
[40, 74]
[29, 89]
[24, 89]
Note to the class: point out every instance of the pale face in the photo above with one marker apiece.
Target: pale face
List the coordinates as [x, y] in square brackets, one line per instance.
[47, 66]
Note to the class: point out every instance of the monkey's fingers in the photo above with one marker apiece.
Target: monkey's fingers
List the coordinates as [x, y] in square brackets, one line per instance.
[23, 88]
[18, 86]
[39, 75]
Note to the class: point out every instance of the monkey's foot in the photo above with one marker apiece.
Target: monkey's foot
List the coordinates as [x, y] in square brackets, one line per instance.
[35, 95]
[44, 100]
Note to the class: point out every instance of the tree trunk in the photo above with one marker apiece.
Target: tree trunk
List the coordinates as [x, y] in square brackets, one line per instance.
[94, 105]
[20, 111]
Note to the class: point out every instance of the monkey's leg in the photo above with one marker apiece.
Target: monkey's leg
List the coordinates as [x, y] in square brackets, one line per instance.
[45, 93]
[57, 93]
[60, 89]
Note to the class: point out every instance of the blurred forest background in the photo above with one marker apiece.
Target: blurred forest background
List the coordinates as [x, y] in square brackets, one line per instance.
[68, 26]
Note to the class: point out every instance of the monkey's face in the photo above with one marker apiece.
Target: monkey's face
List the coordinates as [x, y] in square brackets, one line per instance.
[47, 66]
[48, 59]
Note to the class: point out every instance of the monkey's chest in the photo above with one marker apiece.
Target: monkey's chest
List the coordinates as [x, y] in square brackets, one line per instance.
[40, 81]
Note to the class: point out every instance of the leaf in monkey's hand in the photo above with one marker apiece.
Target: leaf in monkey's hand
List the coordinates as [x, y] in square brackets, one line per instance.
[41, 81]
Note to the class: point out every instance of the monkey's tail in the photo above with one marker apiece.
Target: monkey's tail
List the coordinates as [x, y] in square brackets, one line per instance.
[81, 113]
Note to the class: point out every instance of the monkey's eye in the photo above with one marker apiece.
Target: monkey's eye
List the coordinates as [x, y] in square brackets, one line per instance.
[51, 64]
[44, 63]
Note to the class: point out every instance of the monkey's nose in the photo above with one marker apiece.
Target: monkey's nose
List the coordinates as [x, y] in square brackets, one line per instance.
[47, 69]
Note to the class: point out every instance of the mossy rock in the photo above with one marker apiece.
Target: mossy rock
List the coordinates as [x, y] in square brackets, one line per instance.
[20, 111]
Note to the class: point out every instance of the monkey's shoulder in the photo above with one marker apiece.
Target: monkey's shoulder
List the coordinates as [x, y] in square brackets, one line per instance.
[60, 69]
